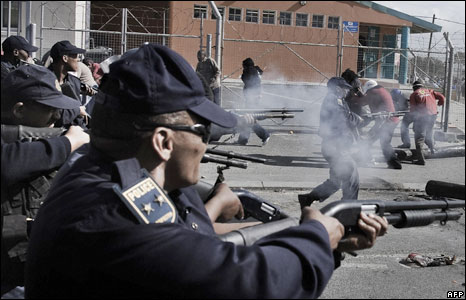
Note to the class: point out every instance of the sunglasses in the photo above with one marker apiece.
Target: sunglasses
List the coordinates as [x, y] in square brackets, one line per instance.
[199, 129]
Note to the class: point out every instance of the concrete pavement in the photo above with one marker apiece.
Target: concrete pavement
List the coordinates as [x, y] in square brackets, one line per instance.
[295, 162]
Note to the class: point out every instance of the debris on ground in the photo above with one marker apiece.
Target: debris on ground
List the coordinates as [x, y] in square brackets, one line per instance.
[427, 261]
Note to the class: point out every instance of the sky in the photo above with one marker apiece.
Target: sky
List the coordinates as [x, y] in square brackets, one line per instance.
[446, 10]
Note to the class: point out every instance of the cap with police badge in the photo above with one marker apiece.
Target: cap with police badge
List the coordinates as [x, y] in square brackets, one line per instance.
[36, 83]
[64, 47]
[156, 80]
[17, 42]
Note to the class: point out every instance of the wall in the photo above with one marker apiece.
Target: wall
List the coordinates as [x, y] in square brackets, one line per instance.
[279, 62]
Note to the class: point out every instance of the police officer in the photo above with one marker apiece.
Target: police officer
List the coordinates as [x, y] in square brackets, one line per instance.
[29, 97]
[337, 130]
[423, 105]
[125, 227]
[65, 60]
[16, 51]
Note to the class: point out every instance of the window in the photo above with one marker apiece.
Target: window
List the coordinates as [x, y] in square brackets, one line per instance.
[318, 21]
[285, 18]
[252, 15]
[333, 22]
[234, 14]
[14, 14]
[221, 10]
[268, 17]
[301, 19]
[200, 10]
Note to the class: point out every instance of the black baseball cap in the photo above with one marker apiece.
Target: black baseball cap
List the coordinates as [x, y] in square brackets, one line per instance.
[156, 80]
[64, 47]
[17, 42]
[36, 83]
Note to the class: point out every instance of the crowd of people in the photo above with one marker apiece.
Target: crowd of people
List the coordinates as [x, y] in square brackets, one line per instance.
[341, 123]
[106, 207]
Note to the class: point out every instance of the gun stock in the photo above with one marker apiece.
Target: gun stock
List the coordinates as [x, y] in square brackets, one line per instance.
[258, 208]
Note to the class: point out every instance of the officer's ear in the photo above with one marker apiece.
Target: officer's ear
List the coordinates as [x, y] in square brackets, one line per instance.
[16, 52]
[19, 110]
[162, 142]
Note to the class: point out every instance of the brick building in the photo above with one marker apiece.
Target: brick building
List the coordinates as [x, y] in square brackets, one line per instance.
[293, 40]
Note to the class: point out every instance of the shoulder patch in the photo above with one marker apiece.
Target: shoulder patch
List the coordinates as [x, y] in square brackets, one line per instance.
[147, 201]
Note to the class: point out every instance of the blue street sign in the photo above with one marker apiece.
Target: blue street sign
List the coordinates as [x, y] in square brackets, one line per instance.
[349, 26]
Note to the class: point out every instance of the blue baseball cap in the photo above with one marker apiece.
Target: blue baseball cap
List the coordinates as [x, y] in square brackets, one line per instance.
[17, 42]
[63, 48]
[36, 83]
[156, 80]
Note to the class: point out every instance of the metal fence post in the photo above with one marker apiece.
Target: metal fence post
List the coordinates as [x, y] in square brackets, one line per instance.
[209, 45]
[201, 31]
[340, 65]
[8, 27]
[402, 78]
[445, 79]
[450, 77]
[219, 41]
[32, 33]
[41, 28]
[124, 20]
[338, 48]
[164, 43]
[20, 22]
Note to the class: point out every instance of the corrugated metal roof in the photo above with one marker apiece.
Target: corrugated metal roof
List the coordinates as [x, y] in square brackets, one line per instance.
[419, 26]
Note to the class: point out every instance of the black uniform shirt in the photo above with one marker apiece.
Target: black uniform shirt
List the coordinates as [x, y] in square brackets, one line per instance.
[86, 243]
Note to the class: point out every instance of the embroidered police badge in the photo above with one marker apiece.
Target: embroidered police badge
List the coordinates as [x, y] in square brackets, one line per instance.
[147, 201]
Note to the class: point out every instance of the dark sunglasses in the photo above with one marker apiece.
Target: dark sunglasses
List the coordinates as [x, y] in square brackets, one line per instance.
[199, 129]
[72, 55]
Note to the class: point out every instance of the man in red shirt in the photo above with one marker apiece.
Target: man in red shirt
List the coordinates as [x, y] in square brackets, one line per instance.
[423, 106]
[380, 100]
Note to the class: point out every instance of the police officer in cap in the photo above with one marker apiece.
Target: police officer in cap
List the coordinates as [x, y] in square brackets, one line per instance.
[16, 51]
[125, 228]
[29, 97]
[65, 60]
[338, 132]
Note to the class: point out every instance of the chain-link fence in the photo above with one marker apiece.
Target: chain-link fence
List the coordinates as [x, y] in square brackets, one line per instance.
[308, 57]
[114, 29]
